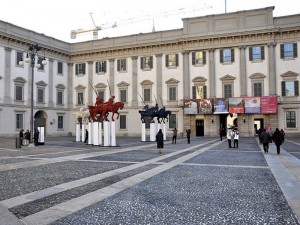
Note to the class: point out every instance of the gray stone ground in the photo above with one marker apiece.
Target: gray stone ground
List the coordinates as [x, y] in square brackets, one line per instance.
[205, 182]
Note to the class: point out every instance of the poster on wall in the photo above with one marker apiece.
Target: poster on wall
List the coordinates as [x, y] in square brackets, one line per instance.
[268, 104]
[252, 105]
[190, 106]
[205, 106]
[236, 105]
[220, 105]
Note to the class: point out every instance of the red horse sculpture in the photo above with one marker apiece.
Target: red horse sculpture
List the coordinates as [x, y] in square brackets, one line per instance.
[103, 110]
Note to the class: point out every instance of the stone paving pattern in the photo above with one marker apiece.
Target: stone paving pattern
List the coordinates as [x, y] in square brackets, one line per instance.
[204, 182]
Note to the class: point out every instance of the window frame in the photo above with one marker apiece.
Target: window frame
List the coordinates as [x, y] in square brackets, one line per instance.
[60, 68]
[80, 69]
[146, 63]
[195, 59]
[170, 97]
[100, 67]
[19, 57]
[224, 59]
[19, 124]
[284, 88]
[123, 124]
[288, 54]
[194, 92]
[174, 63]
[78, 97]
[60, 122]
[172, 121]
[289, 118]
[122, 65]
[252, 53]
[224, 85]
[40, 90]
[121, 91]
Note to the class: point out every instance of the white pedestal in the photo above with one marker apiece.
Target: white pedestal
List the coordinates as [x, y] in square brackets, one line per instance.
[90, 130]
[100, 134]
[143, 132]
[164, 132]
[152, 132]
[77, 132]
[95, 133]
[113, 133]
[106, 130]
[83, 132]
[41, 139]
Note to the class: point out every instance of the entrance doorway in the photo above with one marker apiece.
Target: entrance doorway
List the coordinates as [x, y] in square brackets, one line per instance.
[223, 123]
[40, 119]
[199, 127]
[258, 123]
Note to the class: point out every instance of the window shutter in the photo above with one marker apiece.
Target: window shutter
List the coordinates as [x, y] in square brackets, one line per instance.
[167, 60]
[118, 65]
[262, 50]
[193, 58]
[151, 62]
[283, 88]
[204, 91]
[76, 69]
[296, 83]
[282, 51]
[142, 63]
[232, 55]
[221, 56]
[83, 69]
[295, 50]
[177, 60]
[204, 57]
[104, 66]
[194, 92]
[250, 54]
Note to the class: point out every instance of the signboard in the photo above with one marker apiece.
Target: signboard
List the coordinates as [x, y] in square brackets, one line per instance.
[220, 106]
[190, 107]
[252, 105]
[205, 106]
[269, 104]
[236, 105]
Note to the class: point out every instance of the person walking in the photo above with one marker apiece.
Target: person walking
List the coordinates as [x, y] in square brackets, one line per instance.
[188, 135]
[36, 135]
[229, 136]
[21, 135]
[282, 134]
[86, 136]
[174, 136]
[160, 140]
[265, 140]
[221, 130]
[277, 138]
[236, 137]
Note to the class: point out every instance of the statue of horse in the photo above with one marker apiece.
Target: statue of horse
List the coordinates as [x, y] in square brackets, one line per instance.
[112, 108]
[162, 115]
[146, 111]
[94, 111]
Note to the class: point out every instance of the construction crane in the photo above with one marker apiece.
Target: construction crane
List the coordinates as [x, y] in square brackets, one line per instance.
[115, 24]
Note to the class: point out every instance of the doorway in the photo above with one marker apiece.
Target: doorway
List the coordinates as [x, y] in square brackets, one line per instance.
[199, 127]
[258, 123]
[40, 119]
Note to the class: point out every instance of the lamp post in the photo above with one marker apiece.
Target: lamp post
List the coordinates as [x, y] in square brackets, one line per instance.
[31, 55]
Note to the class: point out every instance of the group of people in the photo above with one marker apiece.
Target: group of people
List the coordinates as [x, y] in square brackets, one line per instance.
[25, 137]
[233, 134]
[267, 137]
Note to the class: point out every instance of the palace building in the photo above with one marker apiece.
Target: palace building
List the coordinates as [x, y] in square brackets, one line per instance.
[239, 68]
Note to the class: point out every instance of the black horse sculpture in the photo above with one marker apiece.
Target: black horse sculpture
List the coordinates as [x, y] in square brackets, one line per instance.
[162, 115]
[146, 111]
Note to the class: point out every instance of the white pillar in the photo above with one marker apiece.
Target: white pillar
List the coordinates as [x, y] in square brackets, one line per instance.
[143, 132]
[106, 133]
[100, 134]
[164, 132]
[83, 132]
[77, 132]
[95, 133]
[113, 133]
[152, 132]
[90, 130]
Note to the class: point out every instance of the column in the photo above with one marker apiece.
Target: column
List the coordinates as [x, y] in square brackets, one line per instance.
[134, 81]
[272, 69]
[112, 76]
[51, 88]
[7, 79]
[70, 86]
[186, 75]
[90, 81]
[212, 73]
[159, 74]
[243, 74]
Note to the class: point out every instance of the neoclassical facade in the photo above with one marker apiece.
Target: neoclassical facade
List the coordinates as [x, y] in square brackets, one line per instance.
[249, 56]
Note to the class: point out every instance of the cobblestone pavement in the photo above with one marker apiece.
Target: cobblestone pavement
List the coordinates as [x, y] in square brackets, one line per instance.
[67, 183]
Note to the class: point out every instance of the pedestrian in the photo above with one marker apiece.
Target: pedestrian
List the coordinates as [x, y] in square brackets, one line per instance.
[160, 140]
[229, 136]
[36, 135]
[174, 136]
[188, 135]
[86, 136]
[21, 135]
[265, 140]
[236, 138]
[277, 138]
[282, 134]
[27, 135]
[221, 130]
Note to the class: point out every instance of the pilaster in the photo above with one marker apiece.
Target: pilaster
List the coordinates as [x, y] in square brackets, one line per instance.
[134, 81]
[7, 80]
[186, 75]
[212, 73]
[159, 74]
[243, 72]
[51, 88]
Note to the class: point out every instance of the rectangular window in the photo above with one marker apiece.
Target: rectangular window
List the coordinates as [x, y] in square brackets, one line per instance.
[147, 94]
[19, 58]
[227, 90]
[59, 68]
[288, 50]
[19, 93]
[172, 121]
[172, 93]
[19, 121]
[257, 89]
[40, 95]
[59, 97]
[101, 94]
[290, 88]
[290, 119]
[172, 60]
[147, 122]
[80, 69]
[146, 62]
[256, 53]
[100, 67]
[60, 122]
[226, 55]
[122, 121]
[123, 95]
[121, 65]
[199, 92]
[199, 58]
[80, 98]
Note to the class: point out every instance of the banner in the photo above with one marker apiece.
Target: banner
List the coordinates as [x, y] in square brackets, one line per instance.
[252, 105]
[190, 107]
[269, 104]
[220, 106]
[236, 105]
[205, 106]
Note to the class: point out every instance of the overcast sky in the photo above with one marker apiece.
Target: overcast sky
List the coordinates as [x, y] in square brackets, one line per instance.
[56, 18]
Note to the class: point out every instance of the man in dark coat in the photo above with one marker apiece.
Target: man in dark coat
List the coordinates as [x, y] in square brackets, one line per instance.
[160, 140]
[277, 138]
[36, 137]
[21, 135]
[265, 140]
[188, 135]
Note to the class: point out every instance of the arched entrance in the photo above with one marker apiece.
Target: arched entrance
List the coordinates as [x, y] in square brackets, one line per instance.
[40, 118]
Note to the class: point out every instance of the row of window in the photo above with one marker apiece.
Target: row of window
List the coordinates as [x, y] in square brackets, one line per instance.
[20, 121]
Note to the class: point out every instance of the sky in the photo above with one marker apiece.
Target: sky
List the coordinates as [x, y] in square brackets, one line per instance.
[56, 18]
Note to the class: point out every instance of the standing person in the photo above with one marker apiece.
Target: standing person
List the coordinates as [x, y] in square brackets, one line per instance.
[277, 138]
[27, 135]
[21, 135]
[228, 136]
[265, 140]
[160, 140]
[188, 135]
[221, 133]
[174, 136]
[86, 136]
[36, 135]
[282, 134]
[236, 138]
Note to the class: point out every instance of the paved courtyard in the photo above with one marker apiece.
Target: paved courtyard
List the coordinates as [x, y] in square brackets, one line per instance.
[70, 183]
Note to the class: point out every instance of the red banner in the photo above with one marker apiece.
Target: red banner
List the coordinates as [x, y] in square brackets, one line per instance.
[269, 104]
[236, 105]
